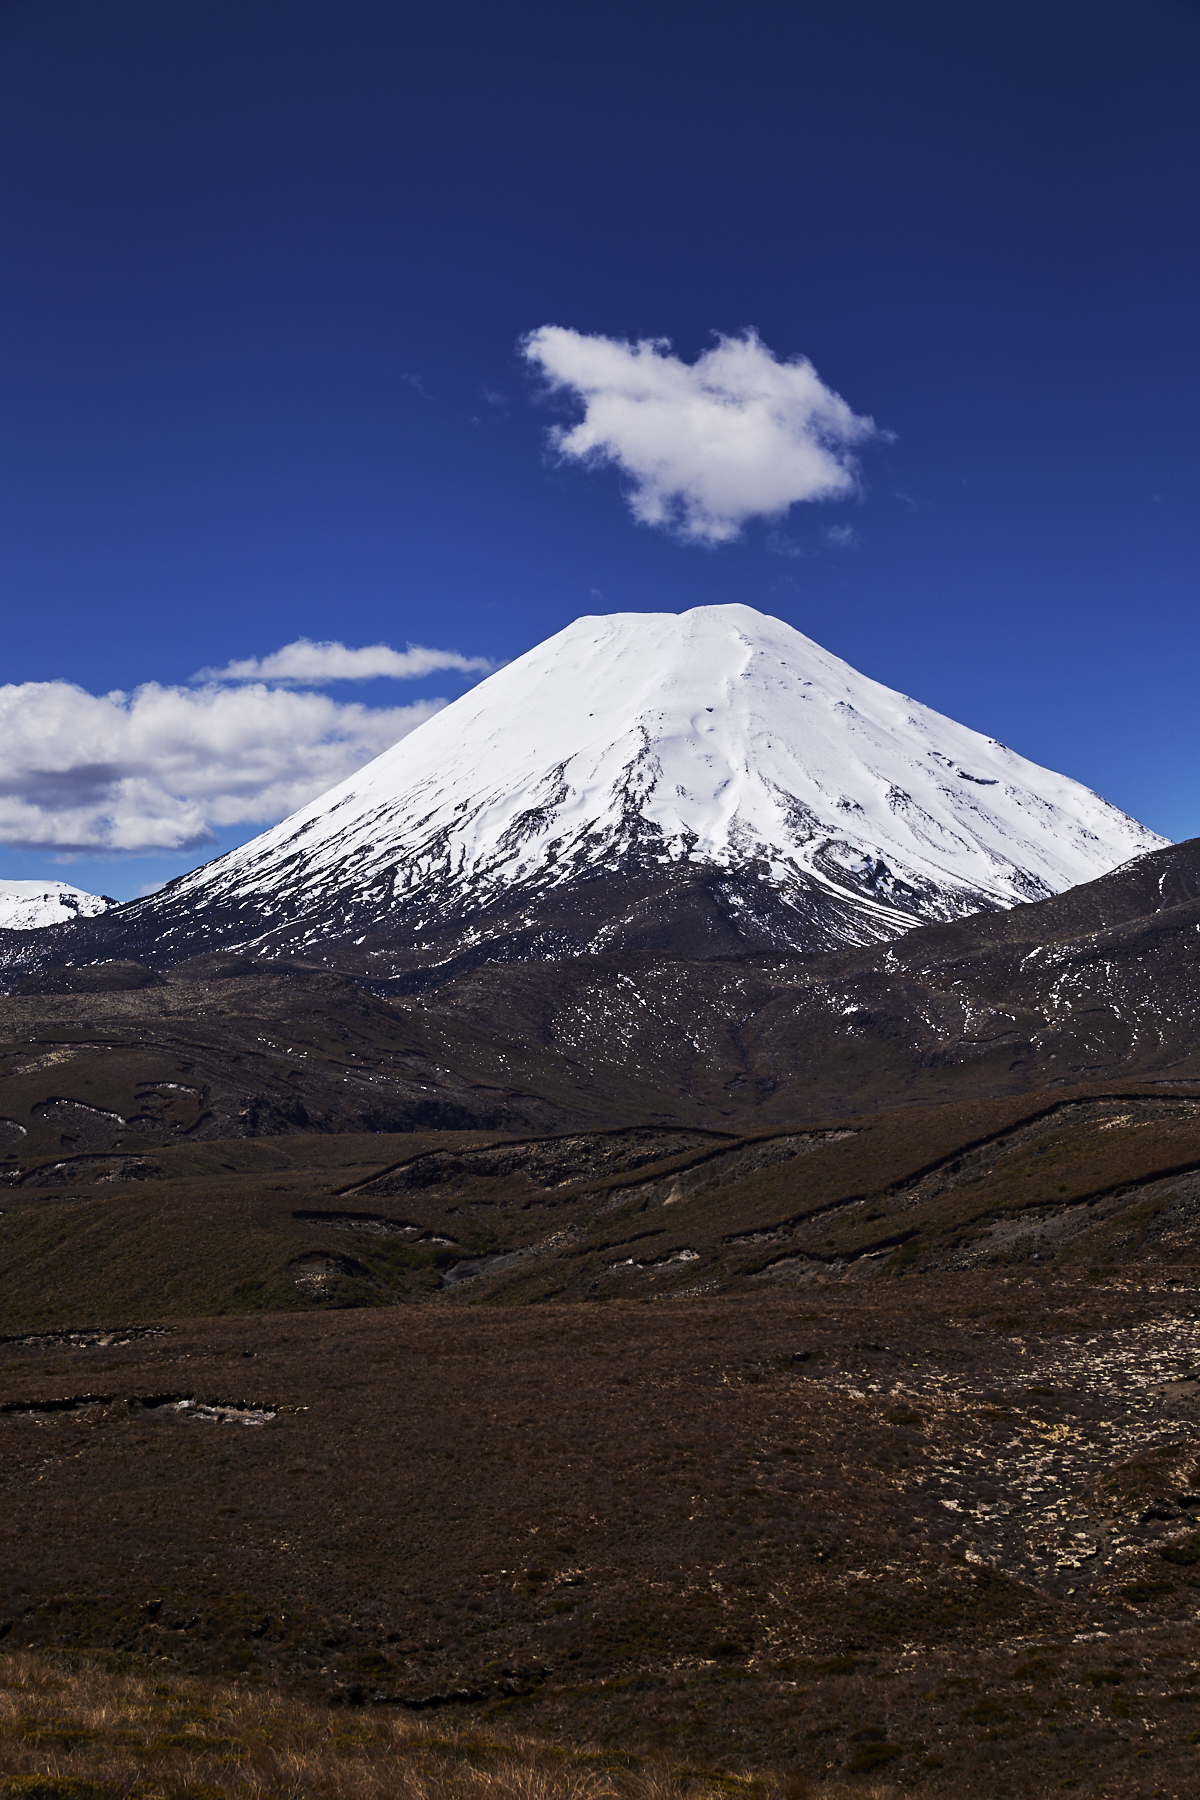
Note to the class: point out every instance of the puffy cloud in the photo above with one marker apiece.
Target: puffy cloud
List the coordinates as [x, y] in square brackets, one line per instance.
[308, 664]
[705, 445]
[159, 768]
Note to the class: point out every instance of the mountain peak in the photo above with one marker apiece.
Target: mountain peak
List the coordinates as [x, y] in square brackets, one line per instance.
[657, 751]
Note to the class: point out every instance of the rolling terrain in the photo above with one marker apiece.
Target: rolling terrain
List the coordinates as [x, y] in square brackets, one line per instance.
[854, 1445]
[1087, 1179]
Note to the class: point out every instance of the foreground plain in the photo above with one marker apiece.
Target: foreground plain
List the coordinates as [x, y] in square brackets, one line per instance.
[839, 1446]
[941, 1528]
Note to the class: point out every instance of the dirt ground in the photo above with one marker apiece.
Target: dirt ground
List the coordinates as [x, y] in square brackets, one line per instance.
[941, 1529]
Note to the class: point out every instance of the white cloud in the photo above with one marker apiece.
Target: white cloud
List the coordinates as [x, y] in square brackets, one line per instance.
[159, 768]
[308, 664]
[706, 445]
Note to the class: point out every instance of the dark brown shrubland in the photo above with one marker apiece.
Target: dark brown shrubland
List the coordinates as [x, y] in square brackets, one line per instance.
[853, 1449]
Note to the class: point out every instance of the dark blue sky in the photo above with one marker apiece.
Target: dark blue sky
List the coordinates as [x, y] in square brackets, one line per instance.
[268, 263]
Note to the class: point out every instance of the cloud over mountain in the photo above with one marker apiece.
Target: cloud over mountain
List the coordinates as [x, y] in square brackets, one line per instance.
[161, 767]
[306, 663]
[705, 445]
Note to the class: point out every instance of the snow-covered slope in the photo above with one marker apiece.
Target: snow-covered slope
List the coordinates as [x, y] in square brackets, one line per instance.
[28, 905]
[718, 738]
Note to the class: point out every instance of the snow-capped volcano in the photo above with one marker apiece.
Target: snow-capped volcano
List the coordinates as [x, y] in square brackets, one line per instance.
[717, 746]
[31, 905]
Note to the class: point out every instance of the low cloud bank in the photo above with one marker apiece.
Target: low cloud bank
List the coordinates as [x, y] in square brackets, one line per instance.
[707, 445]
[162, 768]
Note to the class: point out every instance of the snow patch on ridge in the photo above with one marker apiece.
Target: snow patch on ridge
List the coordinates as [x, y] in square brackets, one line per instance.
[30, 905]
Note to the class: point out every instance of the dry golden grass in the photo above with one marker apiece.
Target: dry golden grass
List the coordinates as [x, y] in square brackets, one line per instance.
[73, 1729]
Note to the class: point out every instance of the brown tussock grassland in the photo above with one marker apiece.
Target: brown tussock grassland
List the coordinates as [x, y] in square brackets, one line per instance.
[75, 1728]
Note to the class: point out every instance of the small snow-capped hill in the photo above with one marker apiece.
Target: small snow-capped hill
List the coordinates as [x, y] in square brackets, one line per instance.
[636, 770]
[31, 905]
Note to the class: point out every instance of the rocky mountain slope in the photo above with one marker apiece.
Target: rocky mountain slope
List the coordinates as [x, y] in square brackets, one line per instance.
[1099, 984]
[1102, 982]
[696, 784]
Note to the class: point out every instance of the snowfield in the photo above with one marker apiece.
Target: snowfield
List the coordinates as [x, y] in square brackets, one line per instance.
[718, 737]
